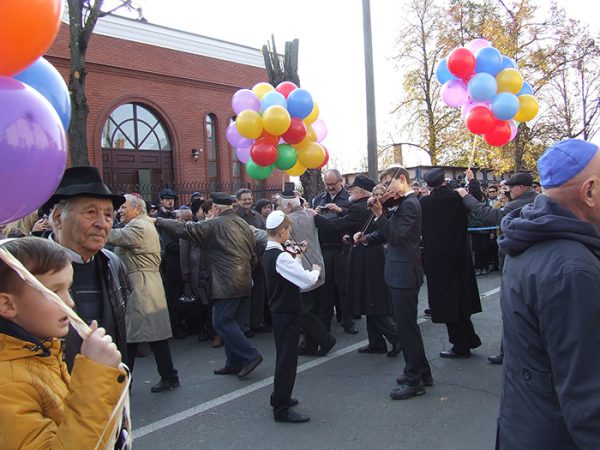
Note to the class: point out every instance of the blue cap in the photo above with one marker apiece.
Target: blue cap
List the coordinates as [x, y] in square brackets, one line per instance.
[563, 161]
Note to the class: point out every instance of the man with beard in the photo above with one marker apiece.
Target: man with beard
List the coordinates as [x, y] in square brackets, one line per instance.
[451, 285]
[366, 293]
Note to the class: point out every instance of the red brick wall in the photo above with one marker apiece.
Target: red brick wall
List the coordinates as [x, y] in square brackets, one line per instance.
[183, 88]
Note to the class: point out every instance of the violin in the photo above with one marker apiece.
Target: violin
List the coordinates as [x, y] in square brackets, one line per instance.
[389, 200]
[292, 247]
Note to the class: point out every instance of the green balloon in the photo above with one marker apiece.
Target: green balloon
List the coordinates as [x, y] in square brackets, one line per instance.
[258, 172]
[286, 157]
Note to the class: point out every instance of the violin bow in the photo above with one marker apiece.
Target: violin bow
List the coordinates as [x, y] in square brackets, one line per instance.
[302, 252]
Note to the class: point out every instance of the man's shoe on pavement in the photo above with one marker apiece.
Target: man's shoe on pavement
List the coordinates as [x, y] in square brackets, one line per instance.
[217, 342]
[227, 371]
[351, 329]
[293, 402]
[496, 359]
[325, 349]
[453, 354]
[405, 392]
[164, 385]
[370, 349]
[427, 380]
[248, 368]
[395, 350]
[291, 417]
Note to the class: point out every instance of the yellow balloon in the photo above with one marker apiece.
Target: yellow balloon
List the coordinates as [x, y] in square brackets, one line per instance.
[311, 136]
[314, 115]
[528, 108]
[276, 120]
[509, 80]
[311, 155]
[249, 124]
[296, 170]
[261, 89]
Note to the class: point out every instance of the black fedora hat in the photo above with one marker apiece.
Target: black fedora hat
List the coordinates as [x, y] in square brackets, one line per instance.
[82, 181]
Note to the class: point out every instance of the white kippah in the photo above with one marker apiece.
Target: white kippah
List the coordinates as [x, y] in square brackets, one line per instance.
[274, 219]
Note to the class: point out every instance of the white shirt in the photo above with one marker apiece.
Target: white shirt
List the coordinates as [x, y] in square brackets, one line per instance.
[291, 268]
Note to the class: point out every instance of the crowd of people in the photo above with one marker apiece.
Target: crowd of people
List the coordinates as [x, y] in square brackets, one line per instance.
[227, 267]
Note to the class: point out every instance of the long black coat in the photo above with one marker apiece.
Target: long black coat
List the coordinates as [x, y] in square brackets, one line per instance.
[451, 283]
[367, 291]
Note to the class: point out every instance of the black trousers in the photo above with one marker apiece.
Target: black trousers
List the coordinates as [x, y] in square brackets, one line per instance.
[174, 290]
[480, 244]
[286, 330]
[462, 335]
[162, 356]
[258, 296]
[315, 333]
[404, 305]
[335, 260]
[380, 328]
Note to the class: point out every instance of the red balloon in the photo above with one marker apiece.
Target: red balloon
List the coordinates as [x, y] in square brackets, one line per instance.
[285, 88]
[266, 135]
[264, 152]
[326, 158]
[499, 134]
[480, 120]
[461, 63]
[296, 132]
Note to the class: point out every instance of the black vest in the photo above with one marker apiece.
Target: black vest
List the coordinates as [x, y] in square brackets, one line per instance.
[283, 296]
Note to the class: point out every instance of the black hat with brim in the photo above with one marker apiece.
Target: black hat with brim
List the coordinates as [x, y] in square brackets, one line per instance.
[288, 190]
[82, 181]
[362, 182]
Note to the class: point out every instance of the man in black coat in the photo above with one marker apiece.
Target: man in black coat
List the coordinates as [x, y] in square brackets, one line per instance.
[451, 284]
[367, 293]
[403, 275]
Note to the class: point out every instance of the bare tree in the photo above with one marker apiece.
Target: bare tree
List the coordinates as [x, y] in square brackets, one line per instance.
[83, 16]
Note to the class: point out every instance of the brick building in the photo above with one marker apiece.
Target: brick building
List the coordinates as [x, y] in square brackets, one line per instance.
[160, 102]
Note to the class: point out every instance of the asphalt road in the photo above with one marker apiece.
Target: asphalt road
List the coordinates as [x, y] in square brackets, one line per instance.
[345, 393]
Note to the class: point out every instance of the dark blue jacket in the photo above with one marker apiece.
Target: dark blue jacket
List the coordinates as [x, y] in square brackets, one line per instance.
[550, 302]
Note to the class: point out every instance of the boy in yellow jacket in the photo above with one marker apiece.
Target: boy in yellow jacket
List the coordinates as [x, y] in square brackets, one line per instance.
[41, 406]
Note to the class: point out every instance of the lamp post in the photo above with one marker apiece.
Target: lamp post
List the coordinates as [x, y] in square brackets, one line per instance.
[370, 92]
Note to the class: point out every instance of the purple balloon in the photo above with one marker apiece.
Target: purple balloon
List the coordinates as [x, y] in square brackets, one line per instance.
[454, 93]
[477, 44]
[235, 138]
[245, 99]
[470, 104]
[243, 153]
[33, 149]
[320, 129]
[513, 129]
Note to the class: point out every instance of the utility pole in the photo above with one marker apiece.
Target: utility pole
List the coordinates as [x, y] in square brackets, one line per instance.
[370, 91]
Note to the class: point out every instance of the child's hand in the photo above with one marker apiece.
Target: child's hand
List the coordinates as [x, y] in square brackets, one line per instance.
[99, 347]
[316, 267]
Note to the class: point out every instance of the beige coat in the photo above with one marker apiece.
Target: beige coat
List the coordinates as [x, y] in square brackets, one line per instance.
[138, 246]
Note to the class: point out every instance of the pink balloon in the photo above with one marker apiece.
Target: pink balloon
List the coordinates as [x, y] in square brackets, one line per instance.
[469, 105]
[235, 138]
[245, 99]
[513, 129]
[320, 129]
[477, 44]
[454, 93]
[243, 153]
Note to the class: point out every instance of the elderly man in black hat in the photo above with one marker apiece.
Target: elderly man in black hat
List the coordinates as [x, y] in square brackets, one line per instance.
[451, 285]
[232, 248]
[82, 211]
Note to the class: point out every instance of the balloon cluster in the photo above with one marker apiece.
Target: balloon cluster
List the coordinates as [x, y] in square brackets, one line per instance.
[36, 107]
[488, 88]
[277, 128]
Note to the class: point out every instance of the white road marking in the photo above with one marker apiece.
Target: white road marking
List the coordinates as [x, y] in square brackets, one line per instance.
[492, 292]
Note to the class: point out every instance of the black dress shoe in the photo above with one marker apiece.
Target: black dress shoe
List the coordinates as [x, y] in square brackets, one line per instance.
[351, 329]
[394, 351]
[164, 385]
[371, 349]
[227, 371]
[474, 341]
[427, 380]
[293, 402]
[248, 333]
[496, 359]
[325, 348]
[405, 392]
[291, 417]
[248, 368]
[453, 354]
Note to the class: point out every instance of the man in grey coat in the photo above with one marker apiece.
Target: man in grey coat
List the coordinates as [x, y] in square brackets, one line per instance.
[550, 307]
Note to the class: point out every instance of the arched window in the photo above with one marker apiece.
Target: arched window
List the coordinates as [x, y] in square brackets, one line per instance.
[133, 126]
[212, 146]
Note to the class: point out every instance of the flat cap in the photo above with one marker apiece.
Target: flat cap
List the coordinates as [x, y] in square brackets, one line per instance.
[520, 179]
[435, 177]
[362, 181]
[221, 198]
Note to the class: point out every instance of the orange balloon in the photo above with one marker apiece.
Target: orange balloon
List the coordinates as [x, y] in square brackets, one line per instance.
[296, 170]
[311, 136]
[312, 155]
[27, 30]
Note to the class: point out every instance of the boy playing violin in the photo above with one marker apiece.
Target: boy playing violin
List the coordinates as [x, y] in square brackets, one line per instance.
[285, 276]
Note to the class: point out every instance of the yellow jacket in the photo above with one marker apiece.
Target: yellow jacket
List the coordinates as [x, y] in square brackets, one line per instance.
[42, 407]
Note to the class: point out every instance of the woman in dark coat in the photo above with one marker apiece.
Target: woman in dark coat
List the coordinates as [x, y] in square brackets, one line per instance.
[451, 284]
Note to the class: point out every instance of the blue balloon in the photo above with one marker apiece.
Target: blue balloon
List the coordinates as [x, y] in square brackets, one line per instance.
[442, 73]
[508, 63]
[300, 103]
[482, 87]
[44, 78]
[505, 105]
[526, 89]
[272, 98]
[488, 60]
